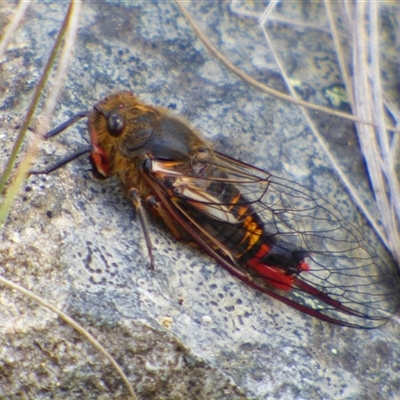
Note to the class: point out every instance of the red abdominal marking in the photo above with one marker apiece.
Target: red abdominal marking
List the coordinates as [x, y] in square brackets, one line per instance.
[275, 276]
[303, 266]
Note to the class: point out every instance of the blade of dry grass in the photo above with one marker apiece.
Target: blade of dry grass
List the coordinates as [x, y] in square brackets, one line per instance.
[13, 25]
[15, 185]
[377, 148]
[258, 85]
[352, 190]
[76, 326]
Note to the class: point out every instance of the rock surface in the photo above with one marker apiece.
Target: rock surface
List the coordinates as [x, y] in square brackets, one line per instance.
[186, 329]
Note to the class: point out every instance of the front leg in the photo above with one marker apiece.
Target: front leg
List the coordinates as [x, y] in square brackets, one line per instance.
[78, 153]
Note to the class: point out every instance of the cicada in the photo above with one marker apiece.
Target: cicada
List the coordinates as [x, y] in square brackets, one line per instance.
[276, 236]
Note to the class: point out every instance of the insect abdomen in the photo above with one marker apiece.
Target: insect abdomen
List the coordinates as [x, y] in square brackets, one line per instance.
[243, 237]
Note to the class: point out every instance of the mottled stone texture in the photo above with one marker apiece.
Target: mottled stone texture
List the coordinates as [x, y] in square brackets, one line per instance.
[186, 330]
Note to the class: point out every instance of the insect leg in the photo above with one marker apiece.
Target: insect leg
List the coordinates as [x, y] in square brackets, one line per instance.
[66, 124]
[66, 160]
[141, 213]
[157, 207]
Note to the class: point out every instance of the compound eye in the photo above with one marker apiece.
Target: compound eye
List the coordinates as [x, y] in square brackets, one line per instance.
[115, 124]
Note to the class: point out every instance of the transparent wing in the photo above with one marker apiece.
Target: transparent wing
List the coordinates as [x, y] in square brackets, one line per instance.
[346, 282]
